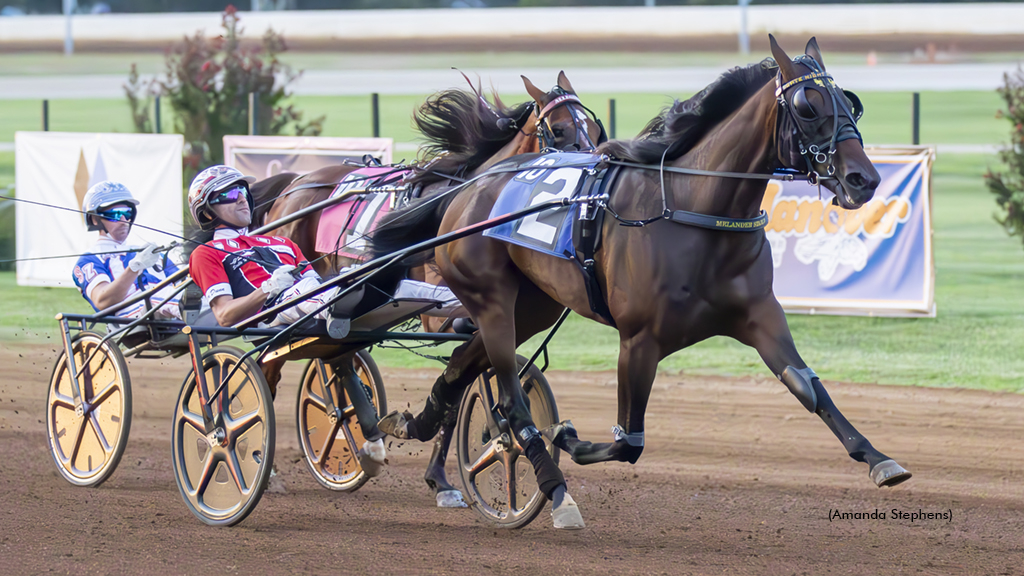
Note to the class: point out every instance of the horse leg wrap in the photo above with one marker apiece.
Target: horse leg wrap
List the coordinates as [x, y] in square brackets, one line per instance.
[443, 400]
[800, 383]
[634, 443]
[549, 476]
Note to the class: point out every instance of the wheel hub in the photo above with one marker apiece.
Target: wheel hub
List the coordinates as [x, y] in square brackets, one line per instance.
[217, 438]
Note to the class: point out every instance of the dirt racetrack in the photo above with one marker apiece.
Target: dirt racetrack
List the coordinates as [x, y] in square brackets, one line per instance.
[736, 479]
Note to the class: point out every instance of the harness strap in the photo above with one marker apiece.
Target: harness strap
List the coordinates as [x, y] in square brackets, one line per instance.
[719, 223]
[563, 99]
[696, 172]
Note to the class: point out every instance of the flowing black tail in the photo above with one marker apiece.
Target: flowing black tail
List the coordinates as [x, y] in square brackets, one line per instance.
[413, 224]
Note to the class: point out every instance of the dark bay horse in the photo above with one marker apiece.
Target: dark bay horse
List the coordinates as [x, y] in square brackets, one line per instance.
[465, 135]
[666, 285]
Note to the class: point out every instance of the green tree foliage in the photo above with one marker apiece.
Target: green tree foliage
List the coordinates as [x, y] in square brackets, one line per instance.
[207, 84]
[1008, 185]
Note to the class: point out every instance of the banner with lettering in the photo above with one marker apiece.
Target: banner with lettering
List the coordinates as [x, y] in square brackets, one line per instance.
[876, 260]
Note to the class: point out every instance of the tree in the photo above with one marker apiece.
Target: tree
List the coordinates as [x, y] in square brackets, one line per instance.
[207, 83]
[1008, 186]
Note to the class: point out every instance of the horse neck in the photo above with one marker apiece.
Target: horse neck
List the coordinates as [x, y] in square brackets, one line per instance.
[743, 142]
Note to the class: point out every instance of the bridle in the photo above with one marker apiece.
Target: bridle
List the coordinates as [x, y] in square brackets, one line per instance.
[794, 116]
[545, 133]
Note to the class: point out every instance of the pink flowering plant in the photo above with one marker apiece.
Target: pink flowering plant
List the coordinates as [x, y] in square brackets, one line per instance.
[207, 82]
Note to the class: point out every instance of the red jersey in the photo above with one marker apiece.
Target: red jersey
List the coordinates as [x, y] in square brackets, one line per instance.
[235, 264]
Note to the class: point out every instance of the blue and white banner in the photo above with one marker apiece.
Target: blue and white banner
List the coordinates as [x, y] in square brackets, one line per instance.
[876, 260]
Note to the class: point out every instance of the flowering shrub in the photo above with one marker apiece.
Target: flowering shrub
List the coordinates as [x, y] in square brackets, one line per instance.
[207, 83]
[1008, 186]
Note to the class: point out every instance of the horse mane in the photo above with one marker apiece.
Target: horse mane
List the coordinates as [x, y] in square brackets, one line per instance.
[679, 127]
[462, 131]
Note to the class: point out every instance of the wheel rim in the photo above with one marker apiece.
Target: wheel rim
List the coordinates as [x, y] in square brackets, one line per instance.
[330, 445]
[87, 445]
[497, 475]
[223, 476]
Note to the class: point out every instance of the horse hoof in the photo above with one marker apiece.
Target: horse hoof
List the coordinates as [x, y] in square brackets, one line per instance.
[450, 499]
[567, 515]
[889, 473]
[372, 458]
[395, 424]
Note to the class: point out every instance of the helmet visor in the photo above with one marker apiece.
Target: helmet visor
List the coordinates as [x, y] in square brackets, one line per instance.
[117, 214]
[229, 196]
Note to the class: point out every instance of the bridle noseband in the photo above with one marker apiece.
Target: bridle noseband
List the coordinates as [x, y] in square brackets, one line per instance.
[792, 140]
[546, 134]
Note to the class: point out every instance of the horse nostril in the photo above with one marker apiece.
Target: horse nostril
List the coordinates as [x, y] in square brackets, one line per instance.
[855, 180]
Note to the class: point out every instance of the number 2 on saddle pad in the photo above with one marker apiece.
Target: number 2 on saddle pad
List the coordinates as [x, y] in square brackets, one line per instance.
[549, 231]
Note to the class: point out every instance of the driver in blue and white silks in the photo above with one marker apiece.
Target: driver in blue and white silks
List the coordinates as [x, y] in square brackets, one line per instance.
[113, 270]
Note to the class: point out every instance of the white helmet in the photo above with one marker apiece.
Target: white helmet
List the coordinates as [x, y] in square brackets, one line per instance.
[213, 179]
[104, 195]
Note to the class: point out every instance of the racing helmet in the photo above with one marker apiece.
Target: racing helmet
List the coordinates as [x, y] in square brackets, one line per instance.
[104, 195]
[205, 184]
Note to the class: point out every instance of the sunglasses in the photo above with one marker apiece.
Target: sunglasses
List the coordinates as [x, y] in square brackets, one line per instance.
[229, 196]
[117, 214]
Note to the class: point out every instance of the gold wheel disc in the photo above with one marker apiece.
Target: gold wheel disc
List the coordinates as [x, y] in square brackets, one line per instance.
[87, 443]
[330, 444]
[222, 473]
[496, 474]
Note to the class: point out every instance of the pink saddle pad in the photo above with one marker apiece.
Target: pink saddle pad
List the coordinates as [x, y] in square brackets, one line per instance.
[344, 228]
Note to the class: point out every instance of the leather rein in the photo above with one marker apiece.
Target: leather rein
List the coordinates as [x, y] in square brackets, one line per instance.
[816, 152]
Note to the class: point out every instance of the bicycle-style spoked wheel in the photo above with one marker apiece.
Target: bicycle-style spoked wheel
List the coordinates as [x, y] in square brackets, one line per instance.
[222, 469]
[330, 439]
[87, 441]
[496, 474]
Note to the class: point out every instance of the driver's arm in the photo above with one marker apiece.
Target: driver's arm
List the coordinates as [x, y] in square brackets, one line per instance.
[107, 294]
[228, 310]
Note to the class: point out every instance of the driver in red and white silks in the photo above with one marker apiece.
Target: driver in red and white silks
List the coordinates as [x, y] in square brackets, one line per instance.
[241, 274]
[114, 271]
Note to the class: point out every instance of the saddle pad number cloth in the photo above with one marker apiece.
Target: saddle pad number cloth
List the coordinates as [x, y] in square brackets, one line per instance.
[344, 227]
[543, 179]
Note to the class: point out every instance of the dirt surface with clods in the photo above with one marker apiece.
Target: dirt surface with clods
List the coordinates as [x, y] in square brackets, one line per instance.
[736, 478]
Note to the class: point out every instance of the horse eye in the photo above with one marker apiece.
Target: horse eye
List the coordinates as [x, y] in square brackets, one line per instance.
[801, 106]
[558, 132]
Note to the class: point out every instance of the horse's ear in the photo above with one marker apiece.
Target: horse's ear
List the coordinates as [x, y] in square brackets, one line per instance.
[563, 82]
[783, 60]
[536, 93]
[813, 51]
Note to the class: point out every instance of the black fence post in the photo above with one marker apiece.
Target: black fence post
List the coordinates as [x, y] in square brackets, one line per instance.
[375, 113]
[916, 118]
[46, 115]
[156, 115]
[253, 128]
[611, 118]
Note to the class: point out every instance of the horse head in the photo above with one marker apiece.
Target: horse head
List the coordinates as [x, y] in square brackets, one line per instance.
[817, 127]
[562, 122]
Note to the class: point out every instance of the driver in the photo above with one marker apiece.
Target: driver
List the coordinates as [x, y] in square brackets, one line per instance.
[114, 271]
[241, 274]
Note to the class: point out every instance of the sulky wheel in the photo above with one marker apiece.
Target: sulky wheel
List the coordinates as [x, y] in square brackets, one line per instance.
[223, 467]
[87, 442]
[496, 474]
[329, 438]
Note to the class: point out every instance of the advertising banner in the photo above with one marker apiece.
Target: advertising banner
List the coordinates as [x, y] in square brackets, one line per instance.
[876, 260]
[55, 169]
[266, 156]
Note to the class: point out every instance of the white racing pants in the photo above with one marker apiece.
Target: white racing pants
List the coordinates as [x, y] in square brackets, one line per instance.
[450, 305]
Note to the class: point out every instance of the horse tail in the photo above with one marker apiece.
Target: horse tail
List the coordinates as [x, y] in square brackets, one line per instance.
[265, 192]
[411, 225]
